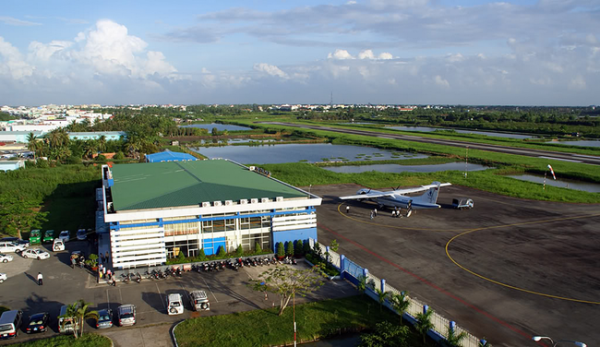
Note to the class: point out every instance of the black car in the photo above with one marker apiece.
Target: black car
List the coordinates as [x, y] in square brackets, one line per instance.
[37, 323]
[105, 319]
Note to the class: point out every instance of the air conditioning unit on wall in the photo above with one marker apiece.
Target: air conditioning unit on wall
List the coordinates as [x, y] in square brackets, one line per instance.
[217, 203]
[263, 200]
[252, 168]
[243, 201]
[254, 201]
[279, 199]
[206, 204]
[228, 202]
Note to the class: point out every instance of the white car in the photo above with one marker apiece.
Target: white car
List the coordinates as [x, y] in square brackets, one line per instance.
[174, 304]
[5, 258]
[35, 253]
[3, 277]
[64, 235]
[9, 246]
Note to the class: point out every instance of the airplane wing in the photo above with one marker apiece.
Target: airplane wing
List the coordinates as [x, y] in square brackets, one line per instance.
[393, 192]
[368, 195]
[420, 189]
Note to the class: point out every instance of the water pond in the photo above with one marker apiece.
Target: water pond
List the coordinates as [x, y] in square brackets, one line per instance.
[583, 143]
[230, 141]
[486, 133]
[312, 153]
[562, 183]
[220, 127]
[396, 168]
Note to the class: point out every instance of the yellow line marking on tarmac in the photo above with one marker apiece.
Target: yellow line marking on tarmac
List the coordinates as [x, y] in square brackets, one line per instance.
[508, 285]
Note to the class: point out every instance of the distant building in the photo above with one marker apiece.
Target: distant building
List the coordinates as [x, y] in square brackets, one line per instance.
[10, 165]
[19, 136]
[108, 135]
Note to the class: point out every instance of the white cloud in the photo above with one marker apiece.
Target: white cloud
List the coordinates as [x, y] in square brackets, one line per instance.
[12, 63]
[340, 54]
[386, 56]
[16, 22]
[366, 54]
[441, 81]
[41, 51]
[351, 2]
[271, 70]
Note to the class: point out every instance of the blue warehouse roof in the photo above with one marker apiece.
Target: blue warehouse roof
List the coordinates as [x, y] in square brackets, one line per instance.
[168, 156]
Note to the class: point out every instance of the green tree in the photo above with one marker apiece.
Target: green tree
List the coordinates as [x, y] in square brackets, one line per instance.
[400, 303]
[288, 282]
[453, 339]
[386, 334]
[71, 313]
[33, 144]
[289, 249]
[257, 248]
[84, 313]
[306, 246]
[240, 251]
[280, 250]
[424, 323]
[201, 255]
[362, 284]
[221, 252]
[119, 156]
[215, 132]
[299, 247]
[381, 296]
[20, 214]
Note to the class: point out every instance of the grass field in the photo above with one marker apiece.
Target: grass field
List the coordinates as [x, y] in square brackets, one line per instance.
[87, 340]
[314, 320]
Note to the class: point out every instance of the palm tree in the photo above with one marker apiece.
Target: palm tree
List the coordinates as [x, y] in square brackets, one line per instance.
[424, 323]
[362, 284]
[83, 313]
[381, 296]
[400, 303]
[32, 144]
[102, 143]
[70, 313]
[453, 339]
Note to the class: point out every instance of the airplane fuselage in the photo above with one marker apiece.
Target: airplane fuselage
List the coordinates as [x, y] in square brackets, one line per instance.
[398, 200]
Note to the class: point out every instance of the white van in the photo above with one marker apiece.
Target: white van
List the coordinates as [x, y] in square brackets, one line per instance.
[9, 246]
[66, 324]
[200, 300]
[10, 322]
[174, 304]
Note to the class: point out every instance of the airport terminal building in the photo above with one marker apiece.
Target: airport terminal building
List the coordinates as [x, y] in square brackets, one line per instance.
[154, 211]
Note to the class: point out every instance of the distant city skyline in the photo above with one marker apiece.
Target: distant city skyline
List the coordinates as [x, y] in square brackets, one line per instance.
[470, 52]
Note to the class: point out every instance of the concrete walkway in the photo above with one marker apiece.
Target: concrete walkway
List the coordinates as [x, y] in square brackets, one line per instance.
[147, 336]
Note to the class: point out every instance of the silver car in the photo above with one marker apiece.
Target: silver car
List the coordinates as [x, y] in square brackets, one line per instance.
[104, 319]
[126, 315]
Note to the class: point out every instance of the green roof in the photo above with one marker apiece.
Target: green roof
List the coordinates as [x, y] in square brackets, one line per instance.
[172, 184]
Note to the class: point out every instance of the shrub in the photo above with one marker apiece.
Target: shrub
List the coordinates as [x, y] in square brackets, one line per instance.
[280, 250]
[257, 248]
[119, 156]
[221, 252]
[100, 159]
[42, 164]
[290, 249]
[181, 257]
[240, 251]
[201, 255]
[299, 247]
[306, 246]
[73, 160]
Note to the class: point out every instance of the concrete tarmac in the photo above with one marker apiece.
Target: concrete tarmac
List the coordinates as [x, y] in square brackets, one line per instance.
[516, 268]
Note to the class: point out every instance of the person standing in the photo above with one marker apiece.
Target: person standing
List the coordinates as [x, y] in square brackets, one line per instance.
[371, 214]
[101, 258]
[375, 212]
[347, 209]
[40, 279]
[106, 257]
[393, 213]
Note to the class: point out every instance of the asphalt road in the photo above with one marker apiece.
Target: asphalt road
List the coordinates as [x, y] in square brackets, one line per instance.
[571, 157]
[227, 291]
[546, 252]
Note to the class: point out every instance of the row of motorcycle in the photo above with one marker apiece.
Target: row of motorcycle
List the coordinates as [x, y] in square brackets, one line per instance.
[234, 264]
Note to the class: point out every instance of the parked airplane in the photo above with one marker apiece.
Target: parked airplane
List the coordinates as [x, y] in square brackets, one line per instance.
[397, 198]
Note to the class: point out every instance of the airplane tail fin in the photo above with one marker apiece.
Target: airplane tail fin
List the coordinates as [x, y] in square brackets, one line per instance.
[431, 195]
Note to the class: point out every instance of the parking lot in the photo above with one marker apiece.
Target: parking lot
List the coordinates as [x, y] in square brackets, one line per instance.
[226, 289]
[506, 270]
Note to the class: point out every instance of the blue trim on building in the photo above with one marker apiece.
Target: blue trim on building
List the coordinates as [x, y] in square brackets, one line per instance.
[293, 235]
[161, 223]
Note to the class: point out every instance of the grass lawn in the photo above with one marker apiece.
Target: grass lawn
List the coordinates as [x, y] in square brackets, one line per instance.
[314, 320]
[87, 340]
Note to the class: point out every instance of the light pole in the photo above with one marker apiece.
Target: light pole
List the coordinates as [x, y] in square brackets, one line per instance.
[554, 344]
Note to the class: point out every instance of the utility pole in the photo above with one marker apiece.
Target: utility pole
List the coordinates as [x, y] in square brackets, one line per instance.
[466, 160]
[294, 305]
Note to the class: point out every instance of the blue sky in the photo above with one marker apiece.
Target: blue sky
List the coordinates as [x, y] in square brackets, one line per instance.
[527, 52]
